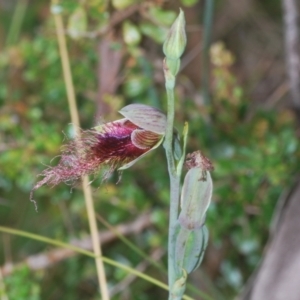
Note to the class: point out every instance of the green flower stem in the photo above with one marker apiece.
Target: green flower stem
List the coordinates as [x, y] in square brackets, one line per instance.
[173, 48]
[169, 133]
[208, 21]
[174, 181]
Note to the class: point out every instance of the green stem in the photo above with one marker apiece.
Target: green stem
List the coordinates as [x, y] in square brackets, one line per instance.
[174, 184]
[173, 272]
[208, 18]
[169, 132]
[16, 23]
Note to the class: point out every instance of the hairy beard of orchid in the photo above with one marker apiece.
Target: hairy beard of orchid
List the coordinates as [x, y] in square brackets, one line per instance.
[114, 145]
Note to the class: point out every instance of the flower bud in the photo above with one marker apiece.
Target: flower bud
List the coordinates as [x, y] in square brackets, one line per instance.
[176, 40]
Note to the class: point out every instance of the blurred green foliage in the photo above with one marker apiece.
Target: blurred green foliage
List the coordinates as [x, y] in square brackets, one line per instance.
[255, 151]
[23, 285]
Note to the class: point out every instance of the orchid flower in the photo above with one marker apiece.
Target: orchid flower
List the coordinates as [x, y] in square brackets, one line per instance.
[115, 145]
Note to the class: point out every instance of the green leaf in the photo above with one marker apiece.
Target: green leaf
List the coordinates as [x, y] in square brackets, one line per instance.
[184, 137]
[161, 16]
[158, 34]
[188, 3]
[122, 4]
[135, 85]
[131, 34]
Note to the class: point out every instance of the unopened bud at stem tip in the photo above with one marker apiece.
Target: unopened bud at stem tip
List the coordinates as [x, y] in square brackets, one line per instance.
[176, 40]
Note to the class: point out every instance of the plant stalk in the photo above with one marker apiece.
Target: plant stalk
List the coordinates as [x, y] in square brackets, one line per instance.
[205, 61]
[85, 181]
[16, 22]
[174, 184]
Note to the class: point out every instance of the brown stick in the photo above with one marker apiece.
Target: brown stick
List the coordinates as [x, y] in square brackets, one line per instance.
[142, 266]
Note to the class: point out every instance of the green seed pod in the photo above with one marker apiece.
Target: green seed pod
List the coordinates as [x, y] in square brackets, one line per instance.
[190, 248]
[195, 198]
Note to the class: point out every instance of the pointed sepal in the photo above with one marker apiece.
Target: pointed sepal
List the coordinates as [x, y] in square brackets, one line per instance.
[146, 117]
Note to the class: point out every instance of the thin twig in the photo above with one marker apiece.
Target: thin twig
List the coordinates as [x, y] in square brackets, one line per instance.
[87, 253]
[142, 266]
[277, 95]
[43, 260]
[85, 181]
[131, 246]
[190, 56]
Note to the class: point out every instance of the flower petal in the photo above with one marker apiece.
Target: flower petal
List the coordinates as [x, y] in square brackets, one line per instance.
[144, 139]
[145, 117]
[128, 165]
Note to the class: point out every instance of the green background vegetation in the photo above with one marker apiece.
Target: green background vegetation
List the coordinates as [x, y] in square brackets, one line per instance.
[244, 127]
